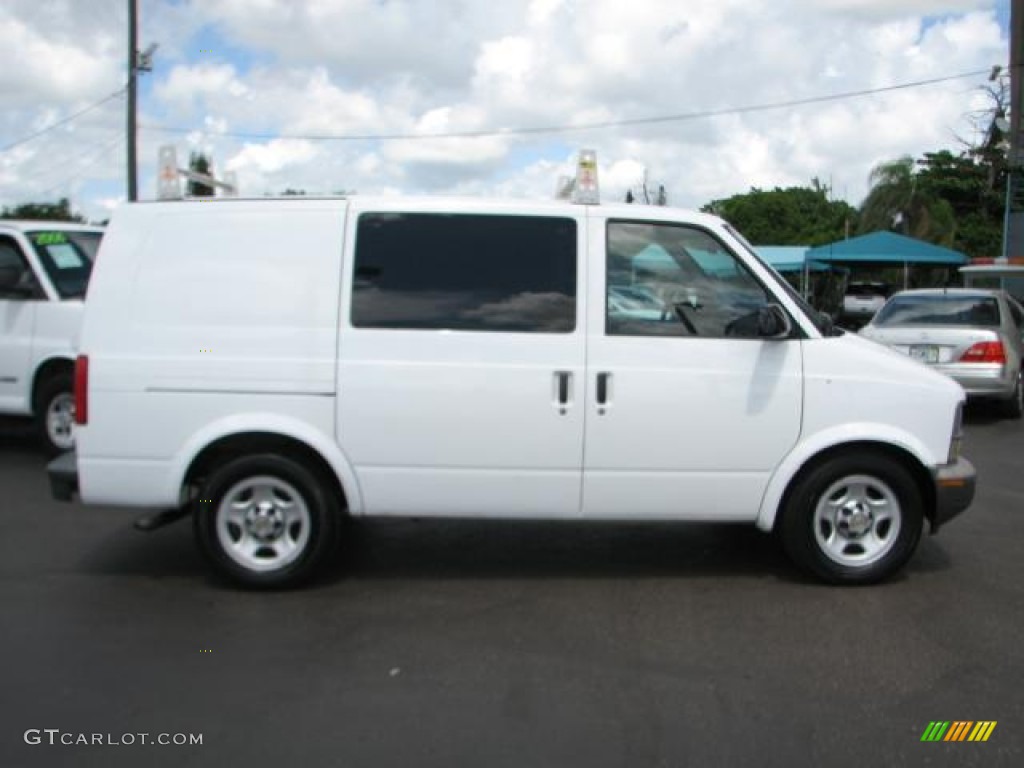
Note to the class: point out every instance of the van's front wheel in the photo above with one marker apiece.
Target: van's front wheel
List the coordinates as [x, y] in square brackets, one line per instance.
[855, 519]
[266, 521]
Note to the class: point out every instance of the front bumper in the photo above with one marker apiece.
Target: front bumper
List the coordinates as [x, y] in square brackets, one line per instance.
[954, 491]
[63, 474]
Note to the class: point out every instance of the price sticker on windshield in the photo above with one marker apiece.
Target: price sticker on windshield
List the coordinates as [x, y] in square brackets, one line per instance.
[50, 238]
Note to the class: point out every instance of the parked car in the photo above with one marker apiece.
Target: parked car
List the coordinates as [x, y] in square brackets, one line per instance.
[861, 301]
[44, 271]
[269, 366]
[976, 336]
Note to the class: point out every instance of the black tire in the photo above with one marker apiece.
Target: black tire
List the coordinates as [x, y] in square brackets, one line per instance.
[1014, 407]
[49, 410]
[274, 549]
[836, 547]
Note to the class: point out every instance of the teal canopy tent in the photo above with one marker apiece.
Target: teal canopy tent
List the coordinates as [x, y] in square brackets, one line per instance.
[886, 249]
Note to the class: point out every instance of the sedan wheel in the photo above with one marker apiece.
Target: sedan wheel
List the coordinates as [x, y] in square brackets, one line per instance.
[1014, 407]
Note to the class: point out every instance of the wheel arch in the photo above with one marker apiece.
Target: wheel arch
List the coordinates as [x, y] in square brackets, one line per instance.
[312, 448]
[797, 466]
[47, 369]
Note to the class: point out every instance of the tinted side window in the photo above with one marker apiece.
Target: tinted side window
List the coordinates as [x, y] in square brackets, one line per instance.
[675, 280]
[465, 272]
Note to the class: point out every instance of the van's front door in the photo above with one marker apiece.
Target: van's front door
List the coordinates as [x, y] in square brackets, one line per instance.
[688, 411]
[461, 362]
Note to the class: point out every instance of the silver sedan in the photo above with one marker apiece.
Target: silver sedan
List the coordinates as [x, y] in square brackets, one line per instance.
[975, 336]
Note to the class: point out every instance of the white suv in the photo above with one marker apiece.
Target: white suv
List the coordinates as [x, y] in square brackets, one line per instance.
[862, 300]
[269, 366]
[44, 271]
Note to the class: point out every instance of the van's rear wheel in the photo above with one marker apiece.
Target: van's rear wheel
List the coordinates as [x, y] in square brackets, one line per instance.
[266, 521]
[855, 519]
[54, 410]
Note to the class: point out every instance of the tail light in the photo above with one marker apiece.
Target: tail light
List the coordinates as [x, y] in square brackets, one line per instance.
[82, 390]
[985, 352]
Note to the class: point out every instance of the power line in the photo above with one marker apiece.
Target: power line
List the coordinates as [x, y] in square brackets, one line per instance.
[89, 162]
[63, 121]
[685, 116]
[77, 153]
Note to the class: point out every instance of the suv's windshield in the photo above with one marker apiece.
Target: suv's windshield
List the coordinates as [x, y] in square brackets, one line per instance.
[67, 258]
[946, 309]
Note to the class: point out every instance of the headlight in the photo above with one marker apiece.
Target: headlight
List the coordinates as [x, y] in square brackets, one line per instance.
[958, 434]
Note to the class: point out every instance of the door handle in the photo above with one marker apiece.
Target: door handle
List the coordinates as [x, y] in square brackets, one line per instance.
[563, 387]
[563, 380]
[603, 380]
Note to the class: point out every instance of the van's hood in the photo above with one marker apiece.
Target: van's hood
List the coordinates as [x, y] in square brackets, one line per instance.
[854, 387]
[853, 356]
[879, 362]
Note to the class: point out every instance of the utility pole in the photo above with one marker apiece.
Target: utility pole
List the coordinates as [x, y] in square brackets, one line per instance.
[133, 63]
[1013, 225]
[138, 61]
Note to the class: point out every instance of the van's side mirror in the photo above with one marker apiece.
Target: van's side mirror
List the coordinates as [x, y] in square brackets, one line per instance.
[773, 322]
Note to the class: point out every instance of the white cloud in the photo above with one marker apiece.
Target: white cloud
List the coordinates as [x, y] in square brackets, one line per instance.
[280, 69]
[893, 8]
[273, 156]
[187, 84]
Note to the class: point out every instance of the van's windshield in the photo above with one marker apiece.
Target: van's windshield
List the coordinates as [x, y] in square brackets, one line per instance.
[67, 258]
[822, 322]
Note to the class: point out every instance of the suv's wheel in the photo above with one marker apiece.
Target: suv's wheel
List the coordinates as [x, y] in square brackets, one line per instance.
[266, 521]
[54, 411]
[855, 519]
[1014, 407]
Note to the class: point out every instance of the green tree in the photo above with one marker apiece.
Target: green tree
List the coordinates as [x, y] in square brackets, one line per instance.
[199, 163]
[900, 201]
[59, 211]
[790, 216]
[973, 184]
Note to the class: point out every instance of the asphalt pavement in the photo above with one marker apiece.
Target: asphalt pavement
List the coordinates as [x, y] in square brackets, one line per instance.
[511, 644]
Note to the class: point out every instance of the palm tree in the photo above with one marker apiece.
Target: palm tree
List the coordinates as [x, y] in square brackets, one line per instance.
[898, 202]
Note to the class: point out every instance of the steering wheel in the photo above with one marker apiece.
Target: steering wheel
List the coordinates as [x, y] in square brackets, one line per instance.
[678, 303]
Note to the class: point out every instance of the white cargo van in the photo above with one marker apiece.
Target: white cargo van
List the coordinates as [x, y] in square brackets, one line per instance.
[44, 270]
[271, 366]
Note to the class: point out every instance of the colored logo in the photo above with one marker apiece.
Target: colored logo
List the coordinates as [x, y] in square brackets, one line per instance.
[958, 730]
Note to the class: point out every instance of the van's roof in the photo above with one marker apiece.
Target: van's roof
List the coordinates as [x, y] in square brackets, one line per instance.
[24, 225]
[470, 204]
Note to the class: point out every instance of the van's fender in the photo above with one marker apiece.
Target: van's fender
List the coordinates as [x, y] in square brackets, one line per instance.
[833, 437]
[275, 424]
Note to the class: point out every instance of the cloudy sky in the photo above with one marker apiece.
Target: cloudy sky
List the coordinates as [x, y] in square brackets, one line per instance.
[330, 95]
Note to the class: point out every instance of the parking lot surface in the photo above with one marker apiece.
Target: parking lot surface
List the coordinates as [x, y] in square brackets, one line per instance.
[474, 644]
